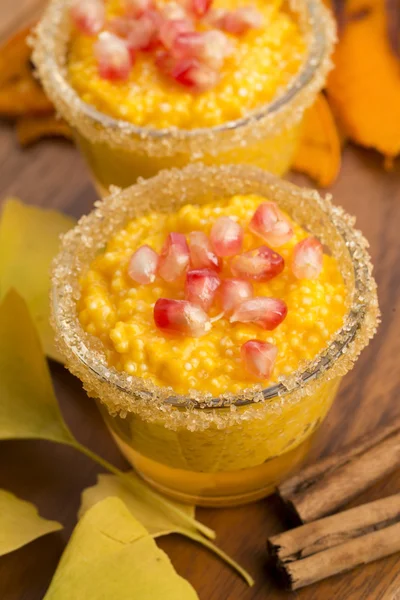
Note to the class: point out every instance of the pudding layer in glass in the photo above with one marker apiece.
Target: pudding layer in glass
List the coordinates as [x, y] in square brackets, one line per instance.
[213, 391]
[261, 61]
[119, 310]
[241, 101]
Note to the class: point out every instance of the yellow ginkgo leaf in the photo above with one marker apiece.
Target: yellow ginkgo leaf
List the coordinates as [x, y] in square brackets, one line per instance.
[112, 556]
[29, 410]
[156, 522]
[28, 407]
[20, 523]
[29, 239]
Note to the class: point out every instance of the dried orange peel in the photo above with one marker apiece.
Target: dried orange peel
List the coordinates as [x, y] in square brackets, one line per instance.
[319, 152]
[31, 129]
[22, 97]
[14, 56]
[364, 86]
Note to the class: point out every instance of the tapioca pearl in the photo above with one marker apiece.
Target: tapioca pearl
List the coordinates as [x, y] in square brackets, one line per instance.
[108, 262]
[215, 384]
[227, 342]
[315, 341]
[278, 285]
[126, 308]
[239, 336]
[106, 313]
[189, 220]
[295, 341]
[117, 284]
[84, 316]
[138, 344]
[91, 328]
[228, 368]
[142, 307]
[207, 363]
[93, 303]
[119, 340]
[130, 367]
[132, 292]
[236, 388]
[325, 333]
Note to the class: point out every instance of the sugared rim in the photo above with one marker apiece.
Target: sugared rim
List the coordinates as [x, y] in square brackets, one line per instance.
[123, 393]
[49, 56]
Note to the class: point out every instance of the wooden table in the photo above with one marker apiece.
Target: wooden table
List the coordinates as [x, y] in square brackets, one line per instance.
[52, 174]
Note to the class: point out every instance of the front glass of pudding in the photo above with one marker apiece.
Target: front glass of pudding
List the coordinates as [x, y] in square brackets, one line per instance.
[213, 312]
[148, 85]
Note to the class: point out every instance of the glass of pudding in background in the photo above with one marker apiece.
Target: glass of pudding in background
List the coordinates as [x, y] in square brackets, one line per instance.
[132, 128]
[186, 411]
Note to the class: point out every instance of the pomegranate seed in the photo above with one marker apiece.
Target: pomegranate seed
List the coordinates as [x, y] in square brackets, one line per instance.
[143, 265]
[188, 44]
[180, 316]
[120, 26]
[238, 21]
[226, 237]
[170, 29]
[143, 32]
[216, 48]
[209, 47]
[113, 57]
[269, 223]
[88, 15]
[268, 313]
[201, 252]
[200, 7]
[201, 286]
[194, 75]
[173, 11]
[174, 257]
[307, 259]
[135, 8]
[259, 358]
[261, 264]
[233, 292]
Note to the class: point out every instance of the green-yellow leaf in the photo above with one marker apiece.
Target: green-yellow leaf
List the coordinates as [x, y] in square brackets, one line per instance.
[156, 521]
[111, 556]
[29, 410]
[29, 240]
[28, 407]
[20, 523]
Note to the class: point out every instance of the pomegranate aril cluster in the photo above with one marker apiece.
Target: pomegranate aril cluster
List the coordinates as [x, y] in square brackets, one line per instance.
[195, 263]
[188, 39]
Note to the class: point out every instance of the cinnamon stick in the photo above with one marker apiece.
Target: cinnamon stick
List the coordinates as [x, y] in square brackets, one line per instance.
[329, 484]
[338, 543]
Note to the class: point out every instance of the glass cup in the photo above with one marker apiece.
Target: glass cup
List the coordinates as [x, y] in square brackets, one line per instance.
[119, 152]
[235, 448]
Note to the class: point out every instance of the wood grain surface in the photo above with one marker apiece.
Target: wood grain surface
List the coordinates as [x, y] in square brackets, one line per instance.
[52, 174]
